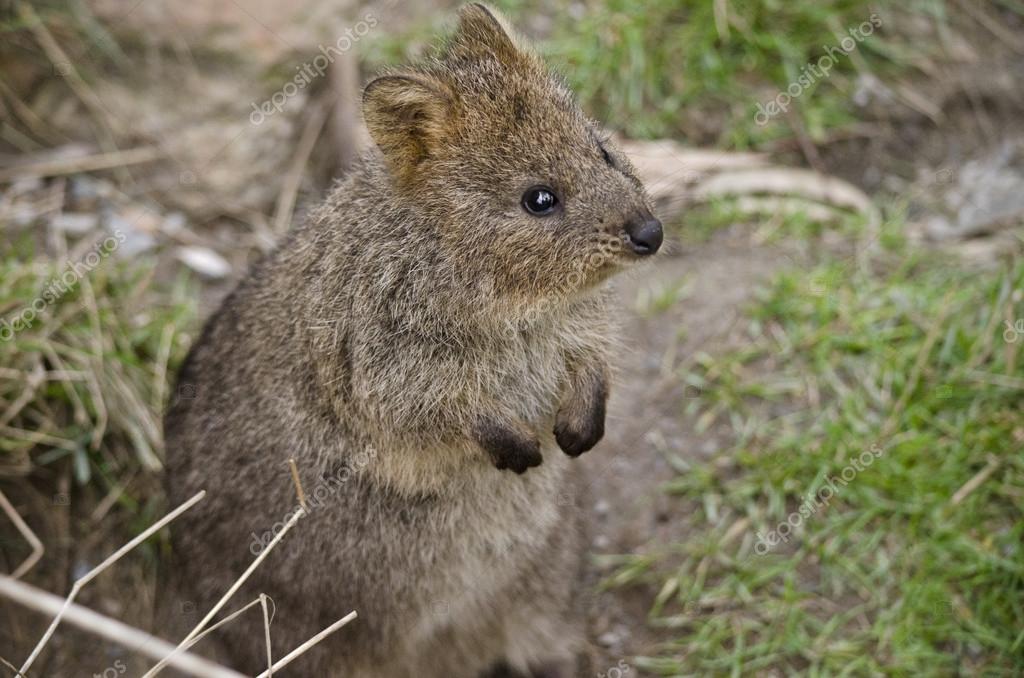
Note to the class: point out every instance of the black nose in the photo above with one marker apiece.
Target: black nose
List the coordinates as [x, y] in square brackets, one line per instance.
[645, 235]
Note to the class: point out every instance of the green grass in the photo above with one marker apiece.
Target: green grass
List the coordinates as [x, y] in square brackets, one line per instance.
[671, 69]
[905, 353]
[698, 69]
[84, 380]
[675, 68]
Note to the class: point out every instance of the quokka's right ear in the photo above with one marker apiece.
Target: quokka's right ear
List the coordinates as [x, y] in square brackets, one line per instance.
[406, 116]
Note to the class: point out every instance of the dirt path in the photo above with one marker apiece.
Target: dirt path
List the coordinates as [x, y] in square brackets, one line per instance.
[628, 512]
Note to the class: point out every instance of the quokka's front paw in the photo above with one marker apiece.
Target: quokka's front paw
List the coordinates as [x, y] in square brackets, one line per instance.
[579, 424]
[577, 436]
[508, 449]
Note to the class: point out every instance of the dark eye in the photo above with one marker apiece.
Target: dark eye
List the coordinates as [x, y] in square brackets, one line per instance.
[539, 201]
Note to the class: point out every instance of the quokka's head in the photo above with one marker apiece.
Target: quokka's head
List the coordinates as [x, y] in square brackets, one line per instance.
[524, 189]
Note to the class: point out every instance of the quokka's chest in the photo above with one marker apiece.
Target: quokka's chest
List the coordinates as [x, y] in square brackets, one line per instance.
[495, 526]
[518, 372]
[527, 377]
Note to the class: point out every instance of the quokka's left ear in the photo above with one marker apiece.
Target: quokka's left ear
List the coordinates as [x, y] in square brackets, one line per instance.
[483, 30]
[406, 115]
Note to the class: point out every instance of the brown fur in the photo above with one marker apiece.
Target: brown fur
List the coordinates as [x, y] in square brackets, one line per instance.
[417, 335]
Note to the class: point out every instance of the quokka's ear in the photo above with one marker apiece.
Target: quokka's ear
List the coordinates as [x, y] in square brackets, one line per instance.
[484, 30]
[406, 117]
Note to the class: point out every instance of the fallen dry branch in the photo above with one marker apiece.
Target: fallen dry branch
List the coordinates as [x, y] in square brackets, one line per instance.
[346, 118]
[787, 207]
[111, 629]
[786, 181]
[677, 177]
[48, 166]
[666, 157]
[977, 481]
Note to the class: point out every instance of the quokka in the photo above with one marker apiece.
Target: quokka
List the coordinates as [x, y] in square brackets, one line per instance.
[444, 308]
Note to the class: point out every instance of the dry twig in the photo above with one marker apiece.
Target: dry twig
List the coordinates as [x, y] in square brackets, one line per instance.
[93, 573]
[47, 167]
[266, 632]
[292, 180]
[27, 533]
[974, 483]
[298, 484]
[345, 123]
[108, 628]
[227, 596]
[301, 649]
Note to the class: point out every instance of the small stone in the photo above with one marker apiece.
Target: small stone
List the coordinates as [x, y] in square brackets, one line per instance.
[134, 241]
[204, 261]
[83, 191]
[173, 223]
[609, 639]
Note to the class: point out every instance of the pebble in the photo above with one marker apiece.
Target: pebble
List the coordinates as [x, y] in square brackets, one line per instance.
[204, 261]
[84, 191]
[609, 639]
[174, 223]
[135, 241]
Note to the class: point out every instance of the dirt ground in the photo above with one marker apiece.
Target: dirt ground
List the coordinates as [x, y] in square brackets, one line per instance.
[628, 513]
[935, 168]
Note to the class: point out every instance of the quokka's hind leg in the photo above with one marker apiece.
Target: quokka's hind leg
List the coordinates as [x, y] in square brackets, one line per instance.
[544, 625]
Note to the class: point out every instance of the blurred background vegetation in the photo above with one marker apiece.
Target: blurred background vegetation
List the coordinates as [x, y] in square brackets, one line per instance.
[894, 325]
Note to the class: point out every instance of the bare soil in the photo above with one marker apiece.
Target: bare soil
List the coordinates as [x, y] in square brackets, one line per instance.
[627, 511]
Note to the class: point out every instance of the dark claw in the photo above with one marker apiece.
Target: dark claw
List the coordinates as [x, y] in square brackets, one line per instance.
[579, 433]
[508, 449]
[575, 440]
